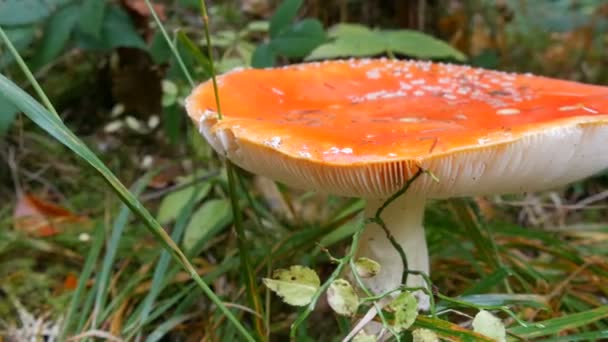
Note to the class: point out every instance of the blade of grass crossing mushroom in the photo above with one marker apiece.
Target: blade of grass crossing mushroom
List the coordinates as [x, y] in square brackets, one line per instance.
[85, 274]
[52, 125]
[108, 261]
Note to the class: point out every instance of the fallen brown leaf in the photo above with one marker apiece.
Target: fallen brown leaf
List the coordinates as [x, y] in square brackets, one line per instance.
[37, 217]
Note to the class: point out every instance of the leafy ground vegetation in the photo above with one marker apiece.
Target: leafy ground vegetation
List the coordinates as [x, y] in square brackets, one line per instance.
[83, 257]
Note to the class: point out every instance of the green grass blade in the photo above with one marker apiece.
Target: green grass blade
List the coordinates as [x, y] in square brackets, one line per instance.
[248, 273]
[159, 278]
[470, 224]
[108, 261]
[556, 325]
[82, 280]
[178, 57]
[585, 337]
[167, 326]
[449, 330]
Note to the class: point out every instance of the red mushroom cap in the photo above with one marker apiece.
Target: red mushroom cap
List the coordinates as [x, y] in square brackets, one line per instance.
[375, 120]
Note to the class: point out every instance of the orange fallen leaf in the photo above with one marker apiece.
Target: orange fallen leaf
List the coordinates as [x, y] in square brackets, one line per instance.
[70, 282]
[40, 218]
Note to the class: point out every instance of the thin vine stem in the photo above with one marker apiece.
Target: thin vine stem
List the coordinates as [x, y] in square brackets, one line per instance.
[377, 306]
[334, 275]
[378, 220]
[353, 248]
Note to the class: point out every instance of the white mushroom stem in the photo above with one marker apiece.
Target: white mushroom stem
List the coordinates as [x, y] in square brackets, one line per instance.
[404, 219]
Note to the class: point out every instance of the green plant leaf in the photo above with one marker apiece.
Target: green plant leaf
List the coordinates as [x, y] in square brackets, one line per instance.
[283, 16]
[363, 337]
[424, 335]
[21, 36]
[23, 12]
[92, 13]
[366, 267]
[420, 45]
[263, 56]
[405, 307]
[171, 204]
[159, 49]
[342, 298]
[355, 40]
[117, 31]
[296, 286]
[489, 325]
[349, 40]
[299, 39]
[8, 112]
[56, 35]
[211, 217]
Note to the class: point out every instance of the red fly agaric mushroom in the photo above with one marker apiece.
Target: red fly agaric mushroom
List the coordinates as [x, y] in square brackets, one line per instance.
[363, 128]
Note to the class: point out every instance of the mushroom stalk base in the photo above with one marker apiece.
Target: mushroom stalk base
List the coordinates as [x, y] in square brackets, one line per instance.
[404, 219]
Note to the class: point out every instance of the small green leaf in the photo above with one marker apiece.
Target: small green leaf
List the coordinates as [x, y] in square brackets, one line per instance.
[212, 216]
[342, 298]
[420, 45]
[175, 201]
[405, 307]
[350, 40]
[296, 286]
[56, 35]
[117, 31]
[299, 39]
[366, 267]
[354, 40]
[23, 12]
[92, 13]
[258, 26]
[424, 335]
[263, 56]
[363, 337]
[8, 111]
[283, 16]
[21, 36]
[159, 49]
[489, 325]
